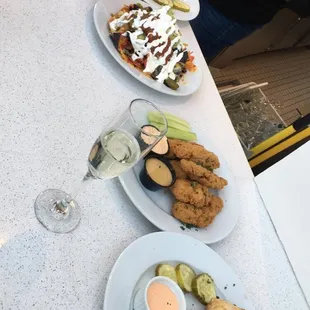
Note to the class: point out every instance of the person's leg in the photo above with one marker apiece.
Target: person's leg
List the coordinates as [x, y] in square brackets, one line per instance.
[214, 31]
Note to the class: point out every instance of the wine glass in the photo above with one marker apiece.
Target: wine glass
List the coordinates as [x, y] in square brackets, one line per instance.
[119, 147]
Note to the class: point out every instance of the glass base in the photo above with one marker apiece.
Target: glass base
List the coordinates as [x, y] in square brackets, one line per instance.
[53, 219]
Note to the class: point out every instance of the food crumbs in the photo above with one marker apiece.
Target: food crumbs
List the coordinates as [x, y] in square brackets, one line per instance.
[234, 284]
[183, 228]
[225, 287]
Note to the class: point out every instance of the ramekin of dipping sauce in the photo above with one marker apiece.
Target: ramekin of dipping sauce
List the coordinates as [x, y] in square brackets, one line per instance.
[160, 293]
[157, 173]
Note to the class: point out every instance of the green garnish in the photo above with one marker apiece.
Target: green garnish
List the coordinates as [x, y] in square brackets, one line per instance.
[188, 226]
[194, 184]
[202, 165]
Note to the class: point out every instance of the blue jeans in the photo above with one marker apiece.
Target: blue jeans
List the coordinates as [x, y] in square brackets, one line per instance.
[214, 31]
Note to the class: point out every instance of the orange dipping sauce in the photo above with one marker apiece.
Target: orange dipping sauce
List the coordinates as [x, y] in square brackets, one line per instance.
[160, 297]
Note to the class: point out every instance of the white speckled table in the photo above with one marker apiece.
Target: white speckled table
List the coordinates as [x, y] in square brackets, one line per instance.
[58, 88]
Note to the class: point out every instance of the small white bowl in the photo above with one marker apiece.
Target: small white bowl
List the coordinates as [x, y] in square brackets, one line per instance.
[140, 300]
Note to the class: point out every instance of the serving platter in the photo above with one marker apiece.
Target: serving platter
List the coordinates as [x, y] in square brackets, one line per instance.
[102, 12]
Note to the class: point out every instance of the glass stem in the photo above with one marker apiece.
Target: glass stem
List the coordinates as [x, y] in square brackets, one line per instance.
[63, 205]
[80, 186]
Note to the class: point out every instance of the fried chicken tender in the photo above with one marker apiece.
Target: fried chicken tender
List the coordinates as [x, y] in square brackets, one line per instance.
[179, 173]
[219, 304]
[200, 217]
[191, 193]
[170, 154]
[215, 205]
[193, 151]
[202, 175]
[173, 144]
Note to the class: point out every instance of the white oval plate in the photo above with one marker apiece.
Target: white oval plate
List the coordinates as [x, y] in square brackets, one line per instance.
[194, 11]
[102, 13]
[156, 206]
[136, 266]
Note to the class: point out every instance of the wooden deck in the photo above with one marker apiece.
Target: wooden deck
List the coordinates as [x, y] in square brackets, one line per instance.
[288, 74]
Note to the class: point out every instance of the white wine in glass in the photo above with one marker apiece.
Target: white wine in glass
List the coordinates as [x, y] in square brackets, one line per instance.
[119, 147]
[113, 153]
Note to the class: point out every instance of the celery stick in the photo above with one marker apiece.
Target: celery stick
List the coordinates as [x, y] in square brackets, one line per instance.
[174, 118]
[157, 125]
[175, 125]
[155, 117]
[181, 135]
[175, 133]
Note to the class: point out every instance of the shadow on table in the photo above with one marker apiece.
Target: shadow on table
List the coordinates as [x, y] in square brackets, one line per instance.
[121, 75]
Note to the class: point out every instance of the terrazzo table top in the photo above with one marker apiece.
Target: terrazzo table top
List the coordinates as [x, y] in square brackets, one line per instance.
[58, 88]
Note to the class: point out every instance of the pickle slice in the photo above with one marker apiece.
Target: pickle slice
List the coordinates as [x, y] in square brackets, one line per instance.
[185, 276]
[203, 288]
[165, 2]
[167, 271]
[181, 6]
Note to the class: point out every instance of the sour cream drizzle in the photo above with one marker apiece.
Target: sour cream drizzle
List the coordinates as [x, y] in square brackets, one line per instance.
[162, 25]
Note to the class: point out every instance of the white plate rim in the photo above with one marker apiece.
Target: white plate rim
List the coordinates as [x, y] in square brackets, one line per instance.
[156, 215]
[183, 90]
[163, 245]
